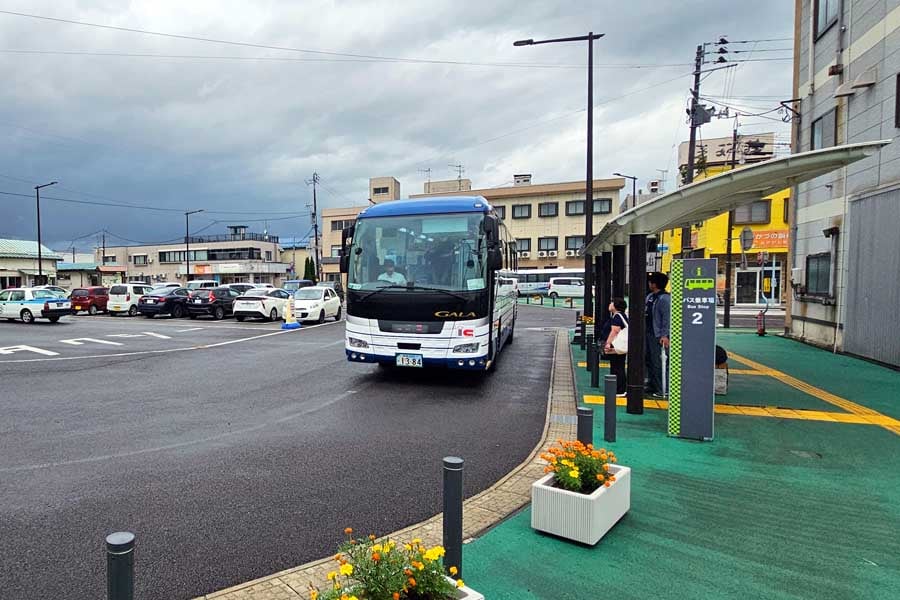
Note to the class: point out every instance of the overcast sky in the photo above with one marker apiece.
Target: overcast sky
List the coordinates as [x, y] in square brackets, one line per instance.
[238, 133]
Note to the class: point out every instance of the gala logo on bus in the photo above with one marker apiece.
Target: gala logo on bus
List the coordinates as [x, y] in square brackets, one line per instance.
[449, 314]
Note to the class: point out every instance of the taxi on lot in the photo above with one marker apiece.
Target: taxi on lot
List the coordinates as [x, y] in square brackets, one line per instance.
[29, 304]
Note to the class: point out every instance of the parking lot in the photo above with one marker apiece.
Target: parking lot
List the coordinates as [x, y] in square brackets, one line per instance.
[233, 450]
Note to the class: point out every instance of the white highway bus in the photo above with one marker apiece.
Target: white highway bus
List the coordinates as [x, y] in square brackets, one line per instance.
[429, 283]
[537, 281]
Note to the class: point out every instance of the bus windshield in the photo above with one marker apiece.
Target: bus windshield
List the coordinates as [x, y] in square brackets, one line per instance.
[444, 251]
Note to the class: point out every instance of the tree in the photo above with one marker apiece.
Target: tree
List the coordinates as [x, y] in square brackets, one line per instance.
[309, 269]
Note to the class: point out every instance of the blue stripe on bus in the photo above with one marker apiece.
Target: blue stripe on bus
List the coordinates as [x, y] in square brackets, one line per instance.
[435, 206]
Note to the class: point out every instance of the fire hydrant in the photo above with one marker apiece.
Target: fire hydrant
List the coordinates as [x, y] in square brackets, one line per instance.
[761, 323]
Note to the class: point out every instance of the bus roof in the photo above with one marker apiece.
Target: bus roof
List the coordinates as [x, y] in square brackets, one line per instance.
[427, 206]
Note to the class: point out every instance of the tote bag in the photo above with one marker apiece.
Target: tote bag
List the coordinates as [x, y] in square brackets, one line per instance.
[620, 344]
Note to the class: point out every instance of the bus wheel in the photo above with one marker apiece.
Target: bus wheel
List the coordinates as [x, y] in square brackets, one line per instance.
[512, 334]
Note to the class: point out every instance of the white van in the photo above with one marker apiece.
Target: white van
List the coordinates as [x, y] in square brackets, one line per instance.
[201, 284]
[123, 298]
[566, 287]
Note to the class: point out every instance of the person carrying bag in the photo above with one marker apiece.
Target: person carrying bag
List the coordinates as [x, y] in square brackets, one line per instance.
[616, 344]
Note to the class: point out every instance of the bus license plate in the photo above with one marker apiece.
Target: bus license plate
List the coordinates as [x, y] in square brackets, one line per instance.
[409, 360]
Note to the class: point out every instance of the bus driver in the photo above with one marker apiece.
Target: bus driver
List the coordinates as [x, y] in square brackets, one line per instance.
[390, 275]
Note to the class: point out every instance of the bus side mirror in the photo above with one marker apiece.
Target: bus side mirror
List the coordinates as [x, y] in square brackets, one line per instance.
[491, 230]
[495, 259]
[345, 262]
[346, 234]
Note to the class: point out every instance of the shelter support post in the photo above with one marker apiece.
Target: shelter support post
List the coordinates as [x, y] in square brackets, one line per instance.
[618, 269]
[637, 278]
[605, 281]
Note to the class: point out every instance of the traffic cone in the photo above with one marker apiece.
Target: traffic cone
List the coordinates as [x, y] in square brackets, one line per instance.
[289, 321]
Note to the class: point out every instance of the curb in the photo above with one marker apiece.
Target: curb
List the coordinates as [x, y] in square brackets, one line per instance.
[480, 512]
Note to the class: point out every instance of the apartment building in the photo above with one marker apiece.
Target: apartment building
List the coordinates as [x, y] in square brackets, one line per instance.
[548, 219]
[844, 242]
[235, 257]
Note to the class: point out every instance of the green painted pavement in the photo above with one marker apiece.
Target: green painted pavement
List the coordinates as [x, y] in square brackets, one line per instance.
[773, 508]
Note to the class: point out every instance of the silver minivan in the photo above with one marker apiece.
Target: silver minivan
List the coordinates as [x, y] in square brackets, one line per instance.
[565, 287]
[123, 298]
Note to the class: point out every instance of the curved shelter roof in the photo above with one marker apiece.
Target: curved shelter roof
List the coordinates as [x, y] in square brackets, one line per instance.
[708, 198]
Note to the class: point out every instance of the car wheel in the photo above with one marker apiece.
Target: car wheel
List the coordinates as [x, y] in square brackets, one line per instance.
[132, 311]
[53, 319]
[219, 313]
[92, 309]
[239, 319]
[177, 311]
[321, 318]
[273, 316]
[27, 317]
[337, 316]
[554, 295]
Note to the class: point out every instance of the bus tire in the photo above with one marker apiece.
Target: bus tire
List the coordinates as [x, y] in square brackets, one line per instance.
[512, 334]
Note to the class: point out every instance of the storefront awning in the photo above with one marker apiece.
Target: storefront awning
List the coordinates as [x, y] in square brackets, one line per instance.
[708, 198]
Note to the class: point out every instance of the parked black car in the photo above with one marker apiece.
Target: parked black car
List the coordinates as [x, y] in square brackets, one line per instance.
[217, 302]
[164, 301]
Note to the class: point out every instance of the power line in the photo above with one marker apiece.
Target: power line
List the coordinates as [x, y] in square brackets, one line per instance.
[368, 57]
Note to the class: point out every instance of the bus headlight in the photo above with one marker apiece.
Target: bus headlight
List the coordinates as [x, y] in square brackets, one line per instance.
[357, 343]
[467, 348]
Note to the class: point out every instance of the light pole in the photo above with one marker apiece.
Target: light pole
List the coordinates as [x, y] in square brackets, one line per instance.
[589, 184]
[37, 197]
[633, 187]
[187, 244]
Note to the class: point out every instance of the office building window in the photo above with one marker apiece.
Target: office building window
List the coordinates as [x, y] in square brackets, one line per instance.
[139, 259]
[548, 209]
[602, 206]
[521, 211]
[574, 208]
[826, 15]
[755, 212]
[268, 256]
[823, 131]
[818, 274]
[335, 251]
[501, 211]
[574, 242]
[523, 244]
[339, 224]
[379, 190]
[109, 260]
[548, 243]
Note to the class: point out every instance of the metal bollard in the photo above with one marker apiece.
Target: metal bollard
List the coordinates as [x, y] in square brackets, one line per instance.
[590, 357]
[453, 513]
[553, 298]
[120, 566]
[585, 425]
[595, 366]
[609, 408]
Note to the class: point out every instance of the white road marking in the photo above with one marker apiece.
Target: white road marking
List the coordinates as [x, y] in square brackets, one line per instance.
[14, 349]
[211, 438]
[186, 330]
[81, 341]
[125, 335]
[158, 335]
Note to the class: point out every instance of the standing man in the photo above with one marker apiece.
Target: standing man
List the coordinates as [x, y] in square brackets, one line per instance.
[656, 315]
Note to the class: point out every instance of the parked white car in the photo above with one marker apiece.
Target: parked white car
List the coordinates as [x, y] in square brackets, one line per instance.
[55, 289]
[124, 297]
[565, 287]
[201, 284]
[29, 304]
[261, 303]
[316, 304]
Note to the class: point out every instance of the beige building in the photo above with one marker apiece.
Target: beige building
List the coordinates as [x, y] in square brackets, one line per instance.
[235, 257]
[334, 220]
[383, 188]
[548, 219]
[19, 263]
[449, 185]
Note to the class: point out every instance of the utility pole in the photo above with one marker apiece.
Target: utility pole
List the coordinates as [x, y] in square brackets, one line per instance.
[726, 321]
[427, 179]
[37, 198]
[459, 171]
[315, 222]
[694, 117]
[187, 244]
[103, 250]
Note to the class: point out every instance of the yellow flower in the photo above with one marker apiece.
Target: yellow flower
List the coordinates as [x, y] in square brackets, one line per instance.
[313, 595]
[346, 569]
[376, 548]
[416, 541]
[332, 575]
[434, 553]
[407, 546]
[454, 570]
[573, 473]
[459, 583]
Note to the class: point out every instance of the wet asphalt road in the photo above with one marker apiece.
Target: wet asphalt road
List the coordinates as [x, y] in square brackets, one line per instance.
[233, 451]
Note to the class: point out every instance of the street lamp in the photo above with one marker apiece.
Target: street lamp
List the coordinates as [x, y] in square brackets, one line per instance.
[37, 197]
[187, 244]
[589, 184]
[633, 187]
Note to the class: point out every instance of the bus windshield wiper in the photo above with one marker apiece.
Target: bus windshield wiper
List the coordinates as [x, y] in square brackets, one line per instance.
[395, 286]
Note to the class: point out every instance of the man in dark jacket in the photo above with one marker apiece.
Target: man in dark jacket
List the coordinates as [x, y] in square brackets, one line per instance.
[656, 314]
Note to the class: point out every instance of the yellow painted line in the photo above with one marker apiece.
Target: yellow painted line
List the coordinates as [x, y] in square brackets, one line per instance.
[583, 364]
[869, 415]
[746, 372]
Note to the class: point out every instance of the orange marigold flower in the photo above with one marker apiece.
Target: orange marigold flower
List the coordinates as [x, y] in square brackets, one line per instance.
[376, 557]
[606, 484]
[407, 572]
[348, 530]
[352, 541]
[371, 537]
[412, 582]
[612, 477]
[454, 570]
[396, 595]
[338, 556]
[599, 477]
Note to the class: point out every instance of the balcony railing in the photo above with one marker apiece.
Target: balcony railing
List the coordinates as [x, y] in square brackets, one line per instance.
[228, 237]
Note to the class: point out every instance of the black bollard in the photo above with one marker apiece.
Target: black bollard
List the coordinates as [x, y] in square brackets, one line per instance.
[595, 366]
[120, 566]
[609, 408]
[585, 425]
[453, 513]
[590, 357]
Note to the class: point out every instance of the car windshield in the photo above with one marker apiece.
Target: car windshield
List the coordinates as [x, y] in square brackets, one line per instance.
[309, 293]
[257, 292]
[296, 285]
[79, 292]
[43, 294]
[445, 252]
[162, 292]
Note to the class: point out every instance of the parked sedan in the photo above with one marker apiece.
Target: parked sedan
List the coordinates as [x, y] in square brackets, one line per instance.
[261, 303]
[217, 302]
[316, 303]
[165, 301]
[29, 304]
[91, 299]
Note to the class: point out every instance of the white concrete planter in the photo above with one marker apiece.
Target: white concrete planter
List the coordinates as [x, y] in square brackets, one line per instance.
[583, 518]
[465, 592]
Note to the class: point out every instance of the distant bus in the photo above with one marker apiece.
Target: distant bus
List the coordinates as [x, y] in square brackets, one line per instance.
[537, 281]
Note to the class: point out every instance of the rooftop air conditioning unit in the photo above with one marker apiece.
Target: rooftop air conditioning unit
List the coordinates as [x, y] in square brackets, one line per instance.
[149, 261]
[542, 254]
[552, 253]
[570, 253]
[524, 254]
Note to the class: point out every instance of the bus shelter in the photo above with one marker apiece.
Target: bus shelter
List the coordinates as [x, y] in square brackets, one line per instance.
[689, 205]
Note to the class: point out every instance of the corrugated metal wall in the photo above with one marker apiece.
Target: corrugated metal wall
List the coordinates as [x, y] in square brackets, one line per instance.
[872, 319]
